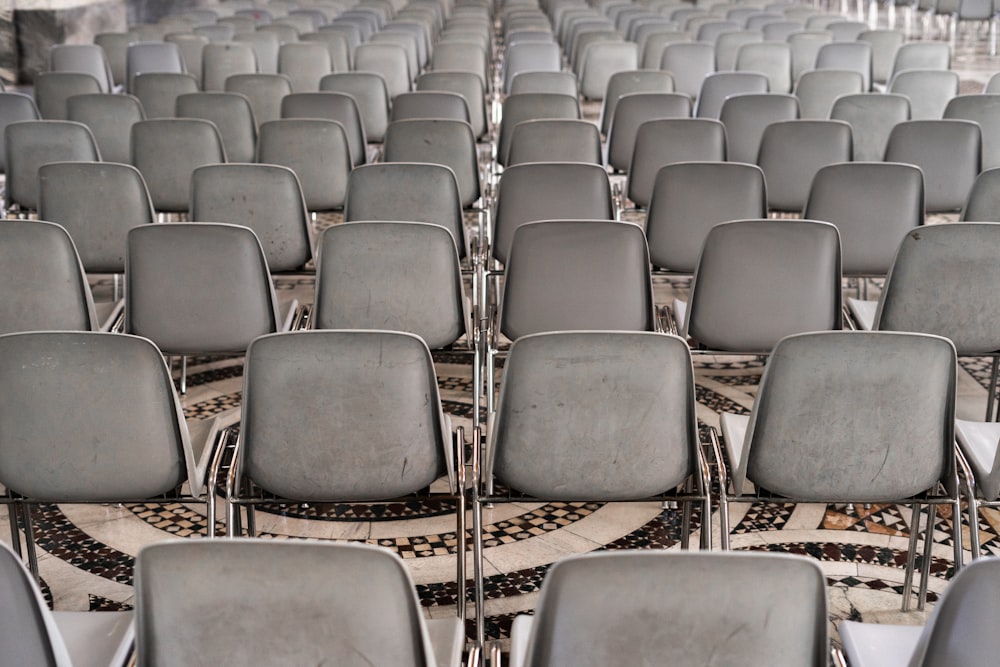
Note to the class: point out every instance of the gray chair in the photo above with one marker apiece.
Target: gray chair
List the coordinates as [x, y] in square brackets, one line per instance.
[544, 81]
[728, 46]
[545, 191]
[818, 89]
[264, 91]
[337, 43]
[398, 276]
[192, 48]
[44, 284]
[588, 603]
[805, 46]
[90, 456]
[929, 91]
[600, 61]
[447, 142]
[669, 140]
[83, 58]
[32, 635]
[146, 57]
[717, 87]
[52, 89]
[689, 198]
[527, 56]
[847, 31]
[872, 117]
[652, 51]
[317, 150]
[958, 631]
[871, 221]
[634, 109]
[855, 56]
[773, 59]
[407, 191]
[922, 55]
[371, 95]
[788, 282]
[220, 61]
[407, 41]
[30, 144]
[388, 59]
[635, 81]
[110, 119]
[985, 110]
[115, 45]
[792, 151]
[265, 47]
[532, 106]
[339, 107]
[778, 31]
[747, 116]
[885, 45]
[469, 86]
[266, 198]
[232, 115]
[287, 34]
[464, 56]
[555, 140]
[429, 104]
[14, 107]
[304, 63]
[158, 92]
[949, 153]
[366, 592]
[983, 204]
[884, 401]
[167, 150]
[689, 63]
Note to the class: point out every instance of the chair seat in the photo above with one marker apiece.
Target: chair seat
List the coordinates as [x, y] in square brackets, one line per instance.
[447, 640]
[979, 442]
[879, 645]
[863, 312]
[734, 431]
[96, 638]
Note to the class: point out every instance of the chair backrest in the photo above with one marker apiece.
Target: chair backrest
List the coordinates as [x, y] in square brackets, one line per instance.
[317, 150]
[728, 45]
[110, 119]
[339, 107]
[634, 109]
[545, 191]
[429, 104]
[466, 84]
[618, 424]
[590, 608]
[192, 48]
[576, 274]
[922, 55]
[666, 141]
[398, 276]
[145, 57]
[689, 198]
[887, 402]
[805, 46]
[222, 60]
[363, 591]
[555, 140]
[337, 43]
[885, 45]
[53, 89]
[265, 46]
[690, 63]
[778, 31]
[846, 31]
[985, 110]
[463, 56]
[747, 116]
[929, 91]
[89, 455]
[984, 198]
[871, 221]
[388, 59]
[30, 144]
[264, 92]
[529, 56]
[792, 151]
[158, 92]
[773, 59]
[532, 106]
[232, 115]
[44, 286]
[652, 51]
[940, 283]
[304, 63]
[872, 117]
[717, 87]
[633, 81]
[601, 60]
[287, 34]
[83, 58]
[818, 89]
[407, 191]
[371, 95]
[167, 150]
[847, 55]
[406, 40]
[543, 81]
[266, 198]
[14, 107]
[163, 266]
[948, 151]
[347, 373]
[97, 203]
[788, 282]
[446, 142]
[216, 32]
[115, 45]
